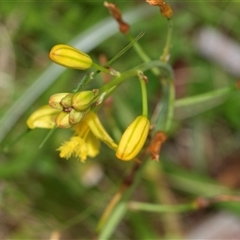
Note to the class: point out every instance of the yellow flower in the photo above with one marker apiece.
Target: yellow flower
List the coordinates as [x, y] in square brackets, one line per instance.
[88, 131]
[133, 139]
[86, 140]
[70, 57]
[80, 146]
[44, 117]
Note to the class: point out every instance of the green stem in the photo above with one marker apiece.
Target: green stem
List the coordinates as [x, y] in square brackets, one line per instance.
[85, 80]
[171, 221]
[201, 98]
[137, 47]
[133, 42]
[165, 116]
[134, 71]
[88, 77]
[107, 227]
[47, 137]
[157, 208]
[111, 86]
[101, 68]
[144, 94]
[166, 51]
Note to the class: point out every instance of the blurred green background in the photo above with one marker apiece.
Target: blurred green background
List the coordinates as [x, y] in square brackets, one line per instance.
[41, 194]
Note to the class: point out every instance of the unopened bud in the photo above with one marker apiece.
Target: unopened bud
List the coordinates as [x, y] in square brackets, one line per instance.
[133, 139]
[75, 117]
[70, 57]
[66, 102]
[62, 120]
[55, 99]
[82, 100]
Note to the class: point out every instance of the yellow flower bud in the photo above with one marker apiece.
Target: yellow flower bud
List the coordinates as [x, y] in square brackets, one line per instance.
[75, 116]
[55, 99]
[62, 120]
[70, 57]
[133, 139]
[66, 101]
[82, 100]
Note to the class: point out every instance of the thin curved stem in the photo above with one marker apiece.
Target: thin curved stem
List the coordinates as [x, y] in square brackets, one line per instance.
[134, 71]
[142, 81]
[166, 51]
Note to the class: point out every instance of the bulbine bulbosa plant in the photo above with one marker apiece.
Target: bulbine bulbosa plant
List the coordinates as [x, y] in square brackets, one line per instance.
[79, 110]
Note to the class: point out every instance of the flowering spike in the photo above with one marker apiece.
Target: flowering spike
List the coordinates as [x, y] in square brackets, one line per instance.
[133, 139]
[70, 57]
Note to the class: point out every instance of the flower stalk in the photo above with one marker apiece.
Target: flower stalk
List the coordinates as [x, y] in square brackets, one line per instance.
[166, 50]
[143, 81]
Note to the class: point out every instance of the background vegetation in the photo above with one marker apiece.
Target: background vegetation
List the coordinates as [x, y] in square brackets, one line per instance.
[42, 195]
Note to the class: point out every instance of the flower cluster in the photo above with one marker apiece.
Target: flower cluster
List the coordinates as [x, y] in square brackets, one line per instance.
[72, 107]
[76, 110]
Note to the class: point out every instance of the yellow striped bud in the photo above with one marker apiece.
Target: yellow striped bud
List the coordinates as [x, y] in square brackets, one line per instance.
[70, 57]
[133, 139]
[82, 100]
[62, 120]
[55, 99]
[66, 101]
[75, 117]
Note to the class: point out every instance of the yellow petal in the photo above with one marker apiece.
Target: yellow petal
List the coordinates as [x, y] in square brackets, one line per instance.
[98, 130]
[82, 129]
[93, 145]
[67, 149]
[44, 117]
[133, 139]
[82, 151]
